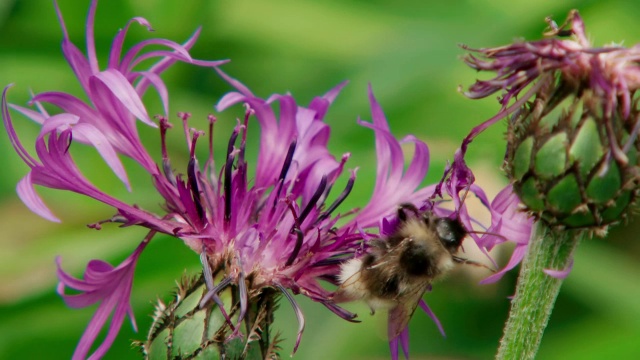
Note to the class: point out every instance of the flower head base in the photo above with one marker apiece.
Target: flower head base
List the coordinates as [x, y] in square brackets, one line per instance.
[572, 150]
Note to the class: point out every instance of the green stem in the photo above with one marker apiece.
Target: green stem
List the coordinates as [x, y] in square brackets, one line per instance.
[536, 291]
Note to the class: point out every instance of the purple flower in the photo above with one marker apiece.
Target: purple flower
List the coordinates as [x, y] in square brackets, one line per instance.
[276, 230]
[268, 225]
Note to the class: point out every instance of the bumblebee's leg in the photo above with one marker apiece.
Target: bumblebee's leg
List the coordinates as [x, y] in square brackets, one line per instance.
[460, 260]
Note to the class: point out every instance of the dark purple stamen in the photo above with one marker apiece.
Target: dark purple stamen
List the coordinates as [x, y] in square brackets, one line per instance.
[299, 234]
[346, 315]
[333, 260]
[314, 199]
[228, 169]
[285, 168]
[296, 248]
[195, 189]
[212, 120]
[338, 201]
[192, 175]
[66, 150]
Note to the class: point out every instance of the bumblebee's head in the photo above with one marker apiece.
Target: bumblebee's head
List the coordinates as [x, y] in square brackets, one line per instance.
[450, 232]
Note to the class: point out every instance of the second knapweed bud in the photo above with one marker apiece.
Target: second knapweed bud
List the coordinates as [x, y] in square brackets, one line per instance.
[572, 132]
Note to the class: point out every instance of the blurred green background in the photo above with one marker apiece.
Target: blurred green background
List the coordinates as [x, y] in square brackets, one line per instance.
[408, 51]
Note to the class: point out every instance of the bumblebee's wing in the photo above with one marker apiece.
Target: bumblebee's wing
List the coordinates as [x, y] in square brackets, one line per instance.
[400, 315]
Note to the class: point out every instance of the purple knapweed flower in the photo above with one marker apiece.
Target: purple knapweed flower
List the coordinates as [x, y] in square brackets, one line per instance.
[274, 230]
[268, 225]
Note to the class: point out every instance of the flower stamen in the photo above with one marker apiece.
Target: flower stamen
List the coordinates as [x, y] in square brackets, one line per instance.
[297, 247]
[343, 195]
[285, 168]
[314, 199]
[228, 169]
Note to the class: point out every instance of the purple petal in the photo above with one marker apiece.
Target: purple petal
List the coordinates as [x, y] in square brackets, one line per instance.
[89, 31]
[101, 143]
[68, 103]
[134, 57]
[228, 100]
[57, 122]
[560, 274]
[404, 342]
[321, 104]
[32, 200]
[508, 221]
[74, 56]
[159, 85]
[393, 347]
[116, 45]
[124, 92]
[235, 83]
[112, 288]
[419, 163]
[11, 131]
[31, 114]
[78, 62]
[423, 305]
[392, 186]
[516, 257]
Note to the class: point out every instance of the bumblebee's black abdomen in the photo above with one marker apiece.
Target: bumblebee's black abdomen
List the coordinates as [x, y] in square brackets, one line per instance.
[382, 284]
[390, 287]
[416, 261]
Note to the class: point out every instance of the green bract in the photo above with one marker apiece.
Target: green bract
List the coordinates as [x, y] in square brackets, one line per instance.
[184, 330]
[559, 159]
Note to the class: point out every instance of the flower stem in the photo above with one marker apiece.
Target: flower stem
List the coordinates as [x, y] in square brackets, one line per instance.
[536, 291]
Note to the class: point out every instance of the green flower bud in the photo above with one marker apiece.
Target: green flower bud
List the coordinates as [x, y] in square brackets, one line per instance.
[560, 161]
[572, 134]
